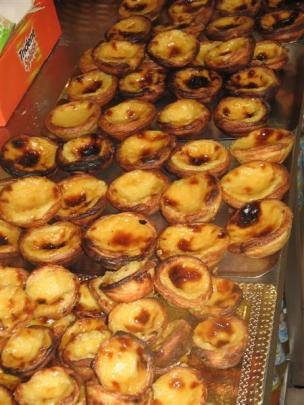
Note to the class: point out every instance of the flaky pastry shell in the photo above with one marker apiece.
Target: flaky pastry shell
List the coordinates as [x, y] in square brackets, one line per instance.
[145, 150]
[9, 236]
[270, 144]
[225, 28]
[199, 157]
[69, 120]
[260, 228]
[254, 181]
[196, 198]
[127, 118]
[204, 47]
[147, 8]
[135, 28]
[207, 242]
[6, 397]
[86, 62]
[271, 54]
[87, 305]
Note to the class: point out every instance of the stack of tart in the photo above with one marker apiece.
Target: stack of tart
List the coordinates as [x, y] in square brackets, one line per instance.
[130, 334]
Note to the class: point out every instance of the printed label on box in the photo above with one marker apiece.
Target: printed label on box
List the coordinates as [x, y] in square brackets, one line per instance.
[28, 50]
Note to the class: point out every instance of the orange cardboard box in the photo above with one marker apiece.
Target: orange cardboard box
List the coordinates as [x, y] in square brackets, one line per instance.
[25, 53]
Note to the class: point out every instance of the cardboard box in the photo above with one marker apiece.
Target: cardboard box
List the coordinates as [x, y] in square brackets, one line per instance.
[25, 53]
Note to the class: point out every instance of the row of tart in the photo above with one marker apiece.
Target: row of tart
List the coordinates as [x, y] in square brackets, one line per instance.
[85, 350]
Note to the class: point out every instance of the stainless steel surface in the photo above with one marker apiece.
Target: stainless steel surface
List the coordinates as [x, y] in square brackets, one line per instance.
[83, 23]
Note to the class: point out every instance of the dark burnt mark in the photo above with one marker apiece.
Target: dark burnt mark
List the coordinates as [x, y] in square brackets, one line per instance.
[90, 149]
[176, 384]
[125, 343]
[92, 87]
[249, 214]
[41, 301]
[174, 51]
[285, 22]
[135, 7]
[75, 200]
[248, 114]
[19, 143]
[142, 222]
[194, 385]
[170, 202]
[212, 194]
[241, 7]
[193, 180]
[184, 245]
[230, 26]
[29, 159]
[148, 78]
[261, 56]
[109, 113]
[220, 343]
[252, 85]
[251, 73]
[3, 240]
[143, 317]
[248, 189]
[198, 160]
[226, 111]
[196, 82]
[115, 385]
[221, 235]
[52, 246]
[131, 114]
[180, 275]
[125, 239]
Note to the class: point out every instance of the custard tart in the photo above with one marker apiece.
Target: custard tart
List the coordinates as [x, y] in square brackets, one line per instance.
[135, 28]
[196, 198]
[85, 153]
[282, 25]
[270, 144]
[270, 54]
[224, 300]
[115, 240]
[254, 181]
[192, 28]
[189, 12]
[197, 83]
[145, 150]
[29, 201]
[182, 386]
[144, 84]
[238, 7]
[255, 81]
[27, 350]
[260, 228]
[118, 57]
[54, 289]
[59, 243]
[9, 236]
[138, 190]
[8, 383]
[86, 62]
[145, 318]
[225, 28]
[87, 305]
[96, 86]
[83, 198]
[127, 118]
[231, 55]
[204, 47]
[184, 117]
[6, 397]
[14, 276]
[174, 48]
[207, 242]
[131, 282]
[69, 120]
[97, 395]
[199, 156]
[26, 155]
[124, 365]
[183, 281]
[174, 342]
[239, 115]
[62, 388]
[147, 8]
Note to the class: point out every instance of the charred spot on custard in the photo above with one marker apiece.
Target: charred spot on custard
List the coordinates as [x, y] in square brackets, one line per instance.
[143, 317]
[125, 239]
[93, 87]
[125, 343]
[198, 160]
[135, 7]
[285, 22]
[180, 275]
[174, 51]
[249, 214]
[3, 240]
[196, 82]
[75, 200]
[184, 245]
[29, 159]
[52, 246]
[170, 202]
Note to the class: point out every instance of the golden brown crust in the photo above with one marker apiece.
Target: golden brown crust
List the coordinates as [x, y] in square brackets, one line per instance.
[282, 25]
[85, 153]
[29, 201]
[87, 305]
[207, 242]
[138, 191]
[231, 55]
[204, 48]
[254, 181]
[238, 7]
[86, 62]
[97, 395]
[147, 8]
[255, 81]
[196, 198]
[260, 228]
[118, 57]
[72, 119]
[9, 236]
[221, 341]
[96, 86]
[124, 365]
[173, 48]
[14, 276]
[194, 12]
[105, 302]
[183, 281]
[135, 28]
[59, 243]
[196, 83]
[83, 198]
[145, 150]
[199, 157]
[57, 301]
[143, 84]
[271, 54]
[270, 144]
[131, 282]
[125, 237]
[224, 300]
[184, 117]
[239, 115]
[127, 118]
[225, 28]
[26, 155]
[6, 397]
